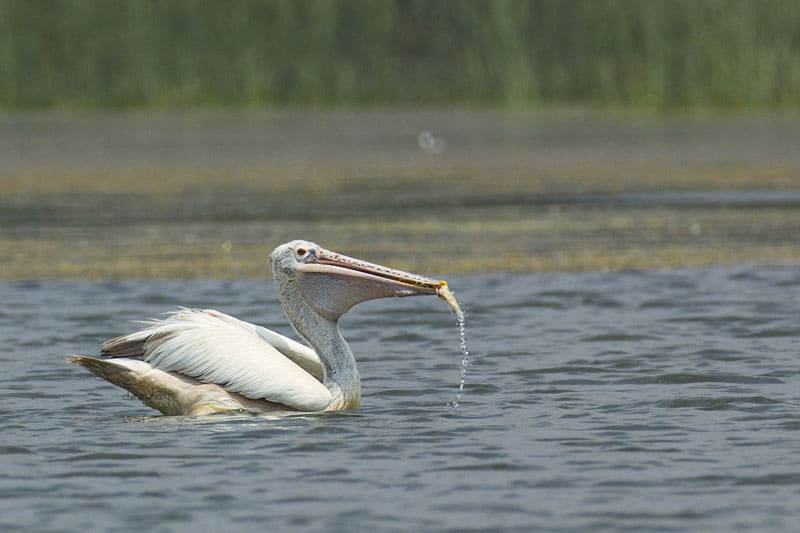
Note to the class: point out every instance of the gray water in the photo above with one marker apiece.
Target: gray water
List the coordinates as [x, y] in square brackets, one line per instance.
[639, 400]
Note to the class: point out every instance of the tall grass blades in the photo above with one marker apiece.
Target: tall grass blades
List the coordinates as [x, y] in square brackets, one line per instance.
[122, 53]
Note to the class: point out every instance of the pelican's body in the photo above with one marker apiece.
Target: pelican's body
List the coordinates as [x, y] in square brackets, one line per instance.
[203, 361]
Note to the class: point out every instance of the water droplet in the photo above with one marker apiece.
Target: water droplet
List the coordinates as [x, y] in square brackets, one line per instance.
[429, 143]
[462, 332]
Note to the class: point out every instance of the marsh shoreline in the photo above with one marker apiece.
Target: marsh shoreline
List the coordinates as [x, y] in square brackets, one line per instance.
[206, 194]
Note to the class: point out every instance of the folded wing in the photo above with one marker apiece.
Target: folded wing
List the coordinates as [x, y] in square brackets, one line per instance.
[213, 347]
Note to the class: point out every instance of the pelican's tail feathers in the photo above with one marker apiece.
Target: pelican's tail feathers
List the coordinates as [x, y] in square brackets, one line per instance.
[111, 371]
[154, 388]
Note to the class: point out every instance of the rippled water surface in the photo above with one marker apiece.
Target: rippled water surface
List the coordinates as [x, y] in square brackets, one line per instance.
[642, 400]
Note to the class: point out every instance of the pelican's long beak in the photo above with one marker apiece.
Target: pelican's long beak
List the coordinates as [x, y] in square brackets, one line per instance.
[404, 283]
[333, 282]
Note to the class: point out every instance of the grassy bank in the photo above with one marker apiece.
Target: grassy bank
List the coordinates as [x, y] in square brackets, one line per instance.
[557, 239]
[118, 53]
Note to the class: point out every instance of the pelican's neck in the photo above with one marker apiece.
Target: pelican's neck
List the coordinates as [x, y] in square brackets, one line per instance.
[340, 372]
[341, 375]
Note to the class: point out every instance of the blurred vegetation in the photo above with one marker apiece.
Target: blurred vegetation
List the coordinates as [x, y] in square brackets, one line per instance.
[123, 53]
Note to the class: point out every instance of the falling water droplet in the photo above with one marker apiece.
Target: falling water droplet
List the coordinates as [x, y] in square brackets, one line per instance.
[430, 144]
[462, 332]
[443, 291]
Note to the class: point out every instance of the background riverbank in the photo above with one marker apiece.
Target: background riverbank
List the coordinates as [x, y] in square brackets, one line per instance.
[208, 193]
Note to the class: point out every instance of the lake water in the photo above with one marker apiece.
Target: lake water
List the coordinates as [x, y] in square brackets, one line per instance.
[638, 400]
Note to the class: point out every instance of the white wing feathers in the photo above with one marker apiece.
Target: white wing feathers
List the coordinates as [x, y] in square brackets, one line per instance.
[240, 357]
[301, 354]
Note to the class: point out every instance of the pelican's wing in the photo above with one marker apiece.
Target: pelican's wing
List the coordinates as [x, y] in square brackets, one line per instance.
[216, 348]
[301, 354]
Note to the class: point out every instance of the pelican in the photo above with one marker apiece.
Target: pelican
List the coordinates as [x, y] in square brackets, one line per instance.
[197, 362]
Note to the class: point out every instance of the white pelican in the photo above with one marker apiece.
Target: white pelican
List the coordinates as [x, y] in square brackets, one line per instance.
[199, 362]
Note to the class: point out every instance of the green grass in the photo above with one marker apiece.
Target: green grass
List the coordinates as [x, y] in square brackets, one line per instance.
[155, 53]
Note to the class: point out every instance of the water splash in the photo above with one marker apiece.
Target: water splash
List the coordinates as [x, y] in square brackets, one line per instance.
[462, 332]
[445, 294]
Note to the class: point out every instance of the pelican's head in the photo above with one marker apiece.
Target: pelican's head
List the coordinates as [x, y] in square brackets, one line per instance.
[331, 283]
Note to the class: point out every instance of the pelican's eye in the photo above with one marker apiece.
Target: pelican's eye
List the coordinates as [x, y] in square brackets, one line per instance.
[301, 252]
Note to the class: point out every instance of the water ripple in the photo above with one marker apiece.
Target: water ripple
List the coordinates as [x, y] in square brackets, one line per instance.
[640, 401]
